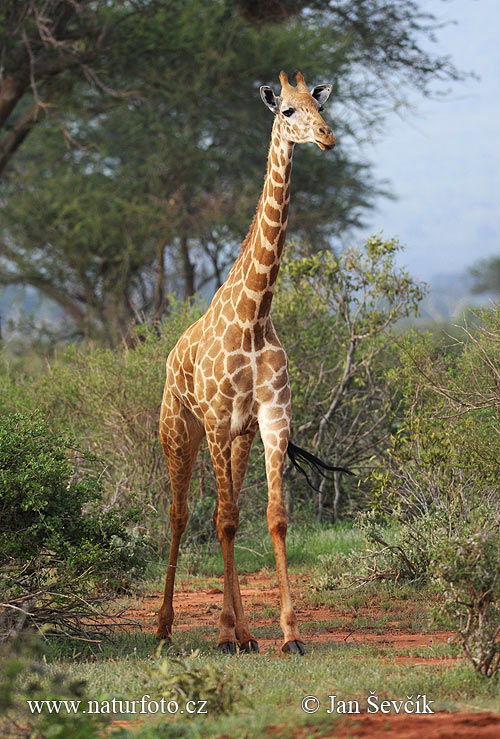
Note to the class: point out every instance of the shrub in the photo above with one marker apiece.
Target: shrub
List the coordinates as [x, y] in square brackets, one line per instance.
[459, 556]
[187, 678]
[110, 402]
[24, 677]
[399, 551]
[57, 544]
[336, 317]
[444, 461]
[468, 576]
[446, 452]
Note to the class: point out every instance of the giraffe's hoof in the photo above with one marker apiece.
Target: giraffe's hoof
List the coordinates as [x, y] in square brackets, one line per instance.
[249, 646]
[293, 647]
[228, 647]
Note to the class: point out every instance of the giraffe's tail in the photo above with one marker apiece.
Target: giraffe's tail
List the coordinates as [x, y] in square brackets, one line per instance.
[300, 457]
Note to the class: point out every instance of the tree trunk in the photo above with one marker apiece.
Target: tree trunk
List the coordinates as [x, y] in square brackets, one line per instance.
[188, 268]
[15, 138]
[319, 502]
[11, 92]
[159, 298]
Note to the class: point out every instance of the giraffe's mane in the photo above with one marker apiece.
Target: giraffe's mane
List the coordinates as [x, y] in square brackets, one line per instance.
[251, 230]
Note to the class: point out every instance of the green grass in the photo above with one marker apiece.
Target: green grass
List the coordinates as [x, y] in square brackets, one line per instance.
[130, 666]
[304, 543]
[275, 686]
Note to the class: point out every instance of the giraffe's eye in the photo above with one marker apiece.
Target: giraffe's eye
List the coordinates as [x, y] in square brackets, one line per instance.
[288, 112]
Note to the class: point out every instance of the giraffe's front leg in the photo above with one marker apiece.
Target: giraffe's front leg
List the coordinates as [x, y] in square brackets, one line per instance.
[246, 642]
[275, 435]
[240, 451]
[219, 443]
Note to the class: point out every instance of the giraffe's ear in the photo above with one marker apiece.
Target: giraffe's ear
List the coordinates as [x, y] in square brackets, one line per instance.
[270, 98]
[321, 93]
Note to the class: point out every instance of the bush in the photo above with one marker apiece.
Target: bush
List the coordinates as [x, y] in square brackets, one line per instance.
[444, 464]
[24, 677]
[460, 557]
[336, 317]
[187, 678]
[57, 544]
[394, 551]
[446, 452]
[468, 576]
[110, 402]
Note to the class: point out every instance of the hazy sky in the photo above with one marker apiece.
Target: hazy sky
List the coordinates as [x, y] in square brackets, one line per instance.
[443, 159]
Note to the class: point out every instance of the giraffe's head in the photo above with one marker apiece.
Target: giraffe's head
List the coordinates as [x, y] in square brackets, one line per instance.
[298, 110]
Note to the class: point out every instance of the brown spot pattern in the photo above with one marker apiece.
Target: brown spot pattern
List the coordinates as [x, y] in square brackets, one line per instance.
[246, 307]
[225, 378]
[265, 304]
[273, 274]
[246, 343]
[235, 362]
[256, 280]
[270, 232]
[259, 337]
[272, 213]
[232, 337]
[266, 256]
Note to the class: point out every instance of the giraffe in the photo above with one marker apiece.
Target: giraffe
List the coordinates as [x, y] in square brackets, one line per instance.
[228, 376]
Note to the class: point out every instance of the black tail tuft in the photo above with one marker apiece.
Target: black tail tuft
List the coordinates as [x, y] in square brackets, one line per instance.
[299, 456]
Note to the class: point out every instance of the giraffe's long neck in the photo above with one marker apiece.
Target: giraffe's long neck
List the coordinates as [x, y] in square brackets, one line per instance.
[264, 244]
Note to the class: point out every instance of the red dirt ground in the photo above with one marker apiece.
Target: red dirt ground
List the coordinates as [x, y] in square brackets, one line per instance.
[199, 608]
[438, 726]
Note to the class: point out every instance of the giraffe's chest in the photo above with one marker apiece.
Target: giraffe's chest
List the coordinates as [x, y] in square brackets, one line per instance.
[237, 378]
[224, 377]
[227, 375]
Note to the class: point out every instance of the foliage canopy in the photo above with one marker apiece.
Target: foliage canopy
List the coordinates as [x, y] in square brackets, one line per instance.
[158, 103]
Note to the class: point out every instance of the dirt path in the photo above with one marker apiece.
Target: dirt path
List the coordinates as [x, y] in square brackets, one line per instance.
[438, 726]
[201, 608]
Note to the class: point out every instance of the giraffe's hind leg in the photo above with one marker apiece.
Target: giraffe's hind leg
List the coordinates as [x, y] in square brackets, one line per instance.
[240, 450]
[180, 435]
[275, 434]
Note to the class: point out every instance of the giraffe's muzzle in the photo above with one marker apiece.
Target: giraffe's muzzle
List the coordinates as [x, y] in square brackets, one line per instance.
[324, 137]
[324, 146]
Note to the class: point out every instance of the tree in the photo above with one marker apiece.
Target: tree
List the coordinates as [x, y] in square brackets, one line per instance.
[184, 154]
[336, 317]
[81, 238]
[43, 40]
[43, 43]
[486, 276]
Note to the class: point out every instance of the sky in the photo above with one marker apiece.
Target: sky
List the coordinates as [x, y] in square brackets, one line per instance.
[442, 158]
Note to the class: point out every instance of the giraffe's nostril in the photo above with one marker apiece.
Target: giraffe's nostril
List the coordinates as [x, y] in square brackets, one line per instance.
[324, 130]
